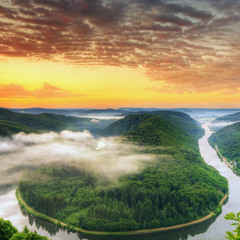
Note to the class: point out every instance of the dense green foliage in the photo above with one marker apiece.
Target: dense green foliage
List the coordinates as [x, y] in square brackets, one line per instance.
[235, 235]
[176, 188]
[134, 121]
[228, 141]
[8, 128]
[13, 122]
[9, 232]
[229, 118]
[27, 235]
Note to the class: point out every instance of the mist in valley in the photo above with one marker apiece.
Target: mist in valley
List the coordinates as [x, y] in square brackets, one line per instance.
[104, 157]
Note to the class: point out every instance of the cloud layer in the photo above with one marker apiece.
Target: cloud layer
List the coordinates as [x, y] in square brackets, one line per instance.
[188, 46]
[106, 157]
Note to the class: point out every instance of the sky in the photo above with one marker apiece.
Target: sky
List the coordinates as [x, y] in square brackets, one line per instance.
[119, 53]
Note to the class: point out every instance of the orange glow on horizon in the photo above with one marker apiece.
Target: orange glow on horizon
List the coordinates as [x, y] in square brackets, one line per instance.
[25, 84]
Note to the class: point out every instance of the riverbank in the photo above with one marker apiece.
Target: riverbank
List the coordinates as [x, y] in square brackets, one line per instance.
[144, 231]
[225, 160]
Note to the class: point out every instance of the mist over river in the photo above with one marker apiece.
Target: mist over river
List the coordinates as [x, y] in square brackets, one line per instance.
[213, 229]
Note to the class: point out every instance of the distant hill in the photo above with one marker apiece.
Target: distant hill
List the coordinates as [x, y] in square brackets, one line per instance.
[8, 128]
[73, 112]
[228, 142]
[44, 121]
[52, 122]
[193, 112]
[229, 118]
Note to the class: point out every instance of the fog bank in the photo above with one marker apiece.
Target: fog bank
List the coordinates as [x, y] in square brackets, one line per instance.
[107, 157]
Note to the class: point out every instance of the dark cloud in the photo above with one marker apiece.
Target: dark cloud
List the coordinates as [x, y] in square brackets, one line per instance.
[226, 5]
[165, 38]
[189, 11]
[171, 18]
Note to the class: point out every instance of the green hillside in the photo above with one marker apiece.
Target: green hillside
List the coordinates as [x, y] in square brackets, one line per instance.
[228, 141]
[133, 121]
[177, 187]
[52, 122]
[44, 121]
[229, 118]
[8, 128]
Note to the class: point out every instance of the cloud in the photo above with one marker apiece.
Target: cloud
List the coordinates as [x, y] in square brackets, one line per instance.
[7, 147]
[190, 11]
[214, 76]
[46, 91]
[106, 157]
[159, 35]
[226, 6]
[171, 18]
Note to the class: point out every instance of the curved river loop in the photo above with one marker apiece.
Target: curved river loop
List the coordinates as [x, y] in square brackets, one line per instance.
[213, 229]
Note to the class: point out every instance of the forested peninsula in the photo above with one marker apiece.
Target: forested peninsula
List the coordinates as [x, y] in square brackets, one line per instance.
[177, 187]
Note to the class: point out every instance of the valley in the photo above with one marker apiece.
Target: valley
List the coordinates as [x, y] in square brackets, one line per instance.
[175, 147]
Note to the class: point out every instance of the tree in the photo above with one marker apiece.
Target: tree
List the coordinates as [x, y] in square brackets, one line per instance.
[7, 230]
[235, 235]
[27, 235]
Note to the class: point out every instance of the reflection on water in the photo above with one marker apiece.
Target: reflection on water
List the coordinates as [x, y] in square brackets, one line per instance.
[178, 234]
[11, 210]
[213, 229]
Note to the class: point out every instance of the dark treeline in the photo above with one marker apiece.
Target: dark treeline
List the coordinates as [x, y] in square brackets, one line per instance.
[177, 187]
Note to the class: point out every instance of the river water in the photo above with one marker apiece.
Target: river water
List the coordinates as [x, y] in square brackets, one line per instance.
[213, 229]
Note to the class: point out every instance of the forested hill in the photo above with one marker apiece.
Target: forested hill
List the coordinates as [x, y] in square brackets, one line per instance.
[229, 118]
[177, 187]
[46, 122]
[228, 141]
[136, 121]
[8, 128]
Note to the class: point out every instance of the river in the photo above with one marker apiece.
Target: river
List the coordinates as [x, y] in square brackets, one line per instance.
[213, 229]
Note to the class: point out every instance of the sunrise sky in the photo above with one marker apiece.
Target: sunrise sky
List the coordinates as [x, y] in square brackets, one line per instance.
[119, 53]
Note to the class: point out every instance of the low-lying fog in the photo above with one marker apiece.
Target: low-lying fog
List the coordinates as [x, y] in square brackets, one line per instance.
[108, 157]
[215, 126]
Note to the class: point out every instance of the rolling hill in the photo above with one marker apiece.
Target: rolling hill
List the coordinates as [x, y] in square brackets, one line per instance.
[136, 121]
[229, 118]
[51, 122]
[44, 121]
[8, 128]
